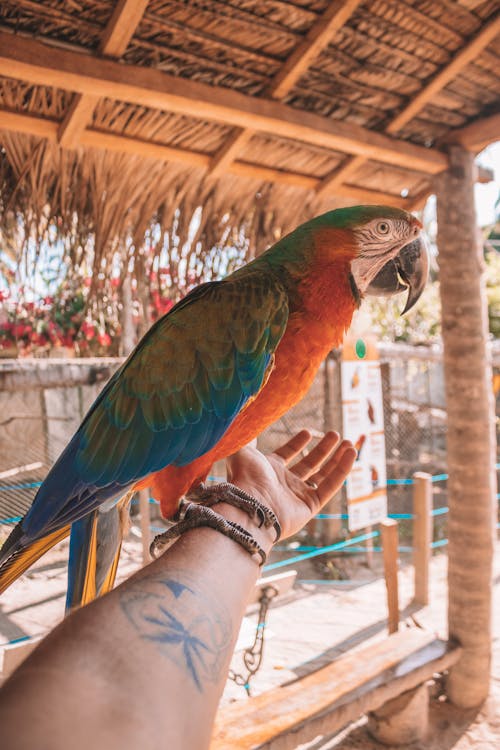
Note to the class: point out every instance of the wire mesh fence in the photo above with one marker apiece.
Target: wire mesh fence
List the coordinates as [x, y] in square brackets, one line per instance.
[37, 420]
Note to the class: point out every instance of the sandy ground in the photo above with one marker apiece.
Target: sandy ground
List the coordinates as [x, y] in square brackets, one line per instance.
[306, 629]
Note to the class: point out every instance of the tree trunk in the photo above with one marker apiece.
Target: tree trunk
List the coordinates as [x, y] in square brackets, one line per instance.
[470, 435]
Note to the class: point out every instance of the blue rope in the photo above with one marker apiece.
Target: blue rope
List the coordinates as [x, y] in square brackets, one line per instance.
[339, 516]
[19, 640]
[439, 543]
[394, 482]
[439, 511]
[151, 501]
[322, 551]
[27, 486]
[341, 582]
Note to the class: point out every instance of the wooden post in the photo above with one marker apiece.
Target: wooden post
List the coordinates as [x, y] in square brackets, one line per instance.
[389, 529]
[470, 430]
[331, 529]
[145, 525]
[369, 549]
[422, 535]
[402, 720]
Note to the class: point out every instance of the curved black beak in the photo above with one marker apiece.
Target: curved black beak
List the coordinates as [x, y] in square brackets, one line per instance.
[408, 270]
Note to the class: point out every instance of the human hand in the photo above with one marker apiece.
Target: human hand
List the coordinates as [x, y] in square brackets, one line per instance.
[285, 488]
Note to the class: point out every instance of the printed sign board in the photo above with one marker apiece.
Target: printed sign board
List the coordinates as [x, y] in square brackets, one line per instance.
[363, 423]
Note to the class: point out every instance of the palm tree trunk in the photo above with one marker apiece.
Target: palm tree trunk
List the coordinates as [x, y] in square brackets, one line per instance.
[470, 435]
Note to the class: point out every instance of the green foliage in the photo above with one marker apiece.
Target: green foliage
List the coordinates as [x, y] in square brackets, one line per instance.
[422, 325]
[493, 291]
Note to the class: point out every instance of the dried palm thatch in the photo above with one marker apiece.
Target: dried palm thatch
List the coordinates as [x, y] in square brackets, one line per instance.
[117, 173]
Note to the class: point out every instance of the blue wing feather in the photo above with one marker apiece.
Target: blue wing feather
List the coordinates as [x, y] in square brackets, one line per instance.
[171, 401]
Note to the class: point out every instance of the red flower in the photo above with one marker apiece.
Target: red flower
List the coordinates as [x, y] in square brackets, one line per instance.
[88, 330]
[104, 339]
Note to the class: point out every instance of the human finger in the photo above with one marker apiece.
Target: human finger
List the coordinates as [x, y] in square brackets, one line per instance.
[289, 450]
[335, 471]
[317, 456]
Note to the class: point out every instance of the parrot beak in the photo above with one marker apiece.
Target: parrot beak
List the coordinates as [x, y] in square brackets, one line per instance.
[408, 270]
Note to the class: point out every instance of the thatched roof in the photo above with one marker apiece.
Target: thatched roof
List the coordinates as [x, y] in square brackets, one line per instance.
[262, 111]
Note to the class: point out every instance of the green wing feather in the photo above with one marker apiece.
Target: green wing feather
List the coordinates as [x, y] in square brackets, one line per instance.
[174, 397]
[187, 380]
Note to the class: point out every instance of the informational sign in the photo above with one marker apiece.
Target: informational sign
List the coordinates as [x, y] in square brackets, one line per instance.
[363, 424]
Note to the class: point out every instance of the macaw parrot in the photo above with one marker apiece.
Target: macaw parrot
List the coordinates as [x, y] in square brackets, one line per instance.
[221, 366]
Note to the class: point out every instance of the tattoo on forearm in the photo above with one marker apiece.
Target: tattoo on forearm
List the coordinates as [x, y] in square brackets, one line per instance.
[184, 624]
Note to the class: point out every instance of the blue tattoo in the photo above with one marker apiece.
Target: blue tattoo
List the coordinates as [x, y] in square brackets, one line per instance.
[186, 626]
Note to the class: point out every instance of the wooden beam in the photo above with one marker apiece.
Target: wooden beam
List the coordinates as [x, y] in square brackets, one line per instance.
[478, 134]
[417, 202]
[466, 55]
[147, 149]
[30, 60]
[318, 37]
[229, 150]
[76, 119]
[332, 181]
[20, 123]
[326, 700]
[117, 35]
[121, 27]
[484, 175]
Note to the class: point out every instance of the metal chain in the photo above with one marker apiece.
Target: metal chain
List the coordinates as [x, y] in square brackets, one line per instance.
[252, 657]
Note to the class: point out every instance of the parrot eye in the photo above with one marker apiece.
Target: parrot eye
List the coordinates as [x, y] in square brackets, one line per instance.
[383, 227]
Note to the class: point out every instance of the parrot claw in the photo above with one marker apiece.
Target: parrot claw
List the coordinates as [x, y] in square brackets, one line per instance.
[225, 492]
[194, 516]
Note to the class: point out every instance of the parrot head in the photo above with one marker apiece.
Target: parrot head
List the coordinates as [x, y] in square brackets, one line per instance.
[391, 252]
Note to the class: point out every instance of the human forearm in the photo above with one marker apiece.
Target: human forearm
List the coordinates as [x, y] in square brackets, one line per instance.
[161, 640]
[144, 666]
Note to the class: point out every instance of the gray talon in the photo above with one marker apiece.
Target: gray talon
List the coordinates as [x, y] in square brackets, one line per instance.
[194, 516]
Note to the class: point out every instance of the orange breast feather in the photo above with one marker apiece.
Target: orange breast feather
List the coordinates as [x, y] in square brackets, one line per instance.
[326, 309]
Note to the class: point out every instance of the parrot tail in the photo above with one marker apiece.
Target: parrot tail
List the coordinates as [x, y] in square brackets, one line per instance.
[16, 556]
[94, 552]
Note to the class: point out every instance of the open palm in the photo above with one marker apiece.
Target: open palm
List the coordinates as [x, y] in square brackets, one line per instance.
[294, 492]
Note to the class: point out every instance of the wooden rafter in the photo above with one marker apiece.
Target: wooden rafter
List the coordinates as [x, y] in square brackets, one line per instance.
[478, 134]
[121, 27]
[318, 37]
[340, 174]
[450, 71]
[472, 49]
[45, 128]
[41, 64]
[117, 34]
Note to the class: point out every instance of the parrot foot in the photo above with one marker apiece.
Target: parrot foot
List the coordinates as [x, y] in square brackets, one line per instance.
[193, 516]
[225, 492]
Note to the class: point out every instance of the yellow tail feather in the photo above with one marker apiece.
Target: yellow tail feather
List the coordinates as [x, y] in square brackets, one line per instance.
[110, 578]
[90, 591]
[89, 585]
[19, 562]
